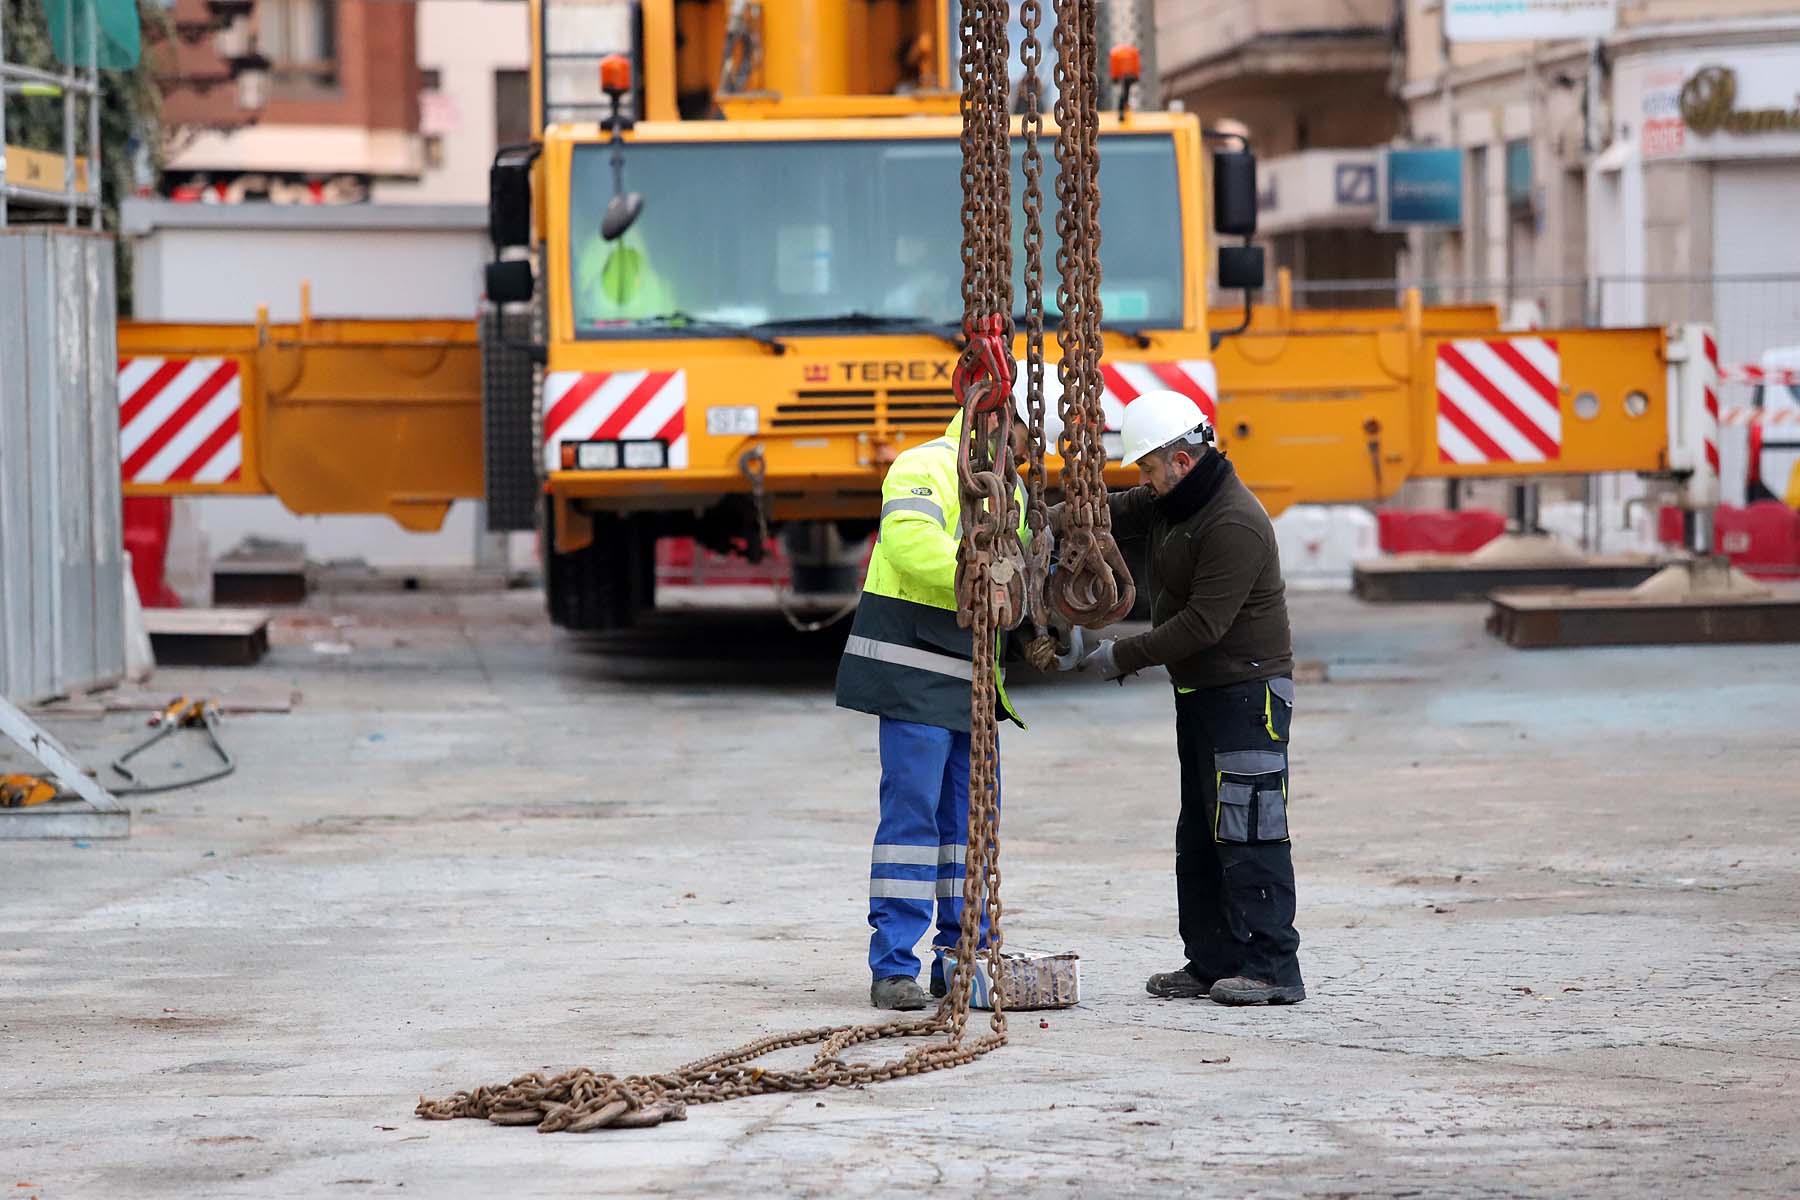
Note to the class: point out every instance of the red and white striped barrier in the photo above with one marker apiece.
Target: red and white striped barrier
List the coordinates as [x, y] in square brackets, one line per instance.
[1712, 401]
[1499, 401]
[1762, 376]
[180, 420]
[1739, 414]
[1749, 376]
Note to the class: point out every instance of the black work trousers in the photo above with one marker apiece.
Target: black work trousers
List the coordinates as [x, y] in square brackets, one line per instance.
[1234, 866]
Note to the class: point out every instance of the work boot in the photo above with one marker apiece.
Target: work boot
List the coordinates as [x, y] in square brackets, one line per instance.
[1178, 985]
[897, 992]
[1239, 991]
[939, 987]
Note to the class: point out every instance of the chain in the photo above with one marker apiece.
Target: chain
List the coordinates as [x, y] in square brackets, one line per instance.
[998, 583]
[991, 569]
[996, 590]
[1092, 585]
[755, 468]
[1031, 124]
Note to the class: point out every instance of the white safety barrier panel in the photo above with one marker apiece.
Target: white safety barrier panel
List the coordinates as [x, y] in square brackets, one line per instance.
[1320, 544]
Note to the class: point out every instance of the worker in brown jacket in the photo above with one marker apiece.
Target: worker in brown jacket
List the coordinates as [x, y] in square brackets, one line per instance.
[1220, 628]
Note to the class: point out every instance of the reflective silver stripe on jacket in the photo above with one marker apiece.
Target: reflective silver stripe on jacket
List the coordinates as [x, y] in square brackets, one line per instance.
[952, 854]
[912, 856]
[908, 656]
[915, 504]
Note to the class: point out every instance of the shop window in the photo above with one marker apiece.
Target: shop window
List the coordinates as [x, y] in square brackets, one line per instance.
[1477, 215]
[299, 38]
[1518, 176]
[512, 107]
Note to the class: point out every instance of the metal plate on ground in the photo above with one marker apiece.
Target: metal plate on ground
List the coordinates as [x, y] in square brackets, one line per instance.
[1426, 579]
[1533, 620]
[212, 637]
[260, 572]
[61, 819]
[244, 584]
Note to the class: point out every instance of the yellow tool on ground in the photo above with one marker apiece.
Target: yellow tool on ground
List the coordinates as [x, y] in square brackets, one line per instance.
[22, 791]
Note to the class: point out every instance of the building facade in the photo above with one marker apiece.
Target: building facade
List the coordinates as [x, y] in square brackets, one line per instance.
[475, 80]
[1311, 82]
[1639, 177]
[384, 100]
[341, 109]
[1634, 176]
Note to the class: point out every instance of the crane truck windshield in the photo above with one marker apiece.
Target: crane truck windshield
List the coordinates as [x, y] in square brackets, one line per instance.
[812, 234]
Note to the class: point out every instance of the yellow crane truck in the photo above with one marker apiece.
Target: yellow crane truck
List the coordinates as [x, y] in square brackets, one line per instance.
[725, 293]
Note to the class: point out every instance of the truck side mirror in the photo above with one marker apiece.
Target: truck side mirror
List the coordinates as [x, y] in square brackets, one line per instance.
[1241, 267]
[509, 202]
[509, 281]
[621, 211]
[1234, 193]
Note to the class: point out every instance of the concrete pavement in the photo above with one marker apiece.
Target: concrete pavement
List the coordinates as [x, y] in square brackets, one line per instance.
[1548, 902]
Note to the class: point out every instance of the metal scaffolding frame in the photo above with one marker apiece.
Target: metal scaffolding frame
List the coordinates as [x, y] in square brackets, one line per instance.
[71, 83]
[93, 812]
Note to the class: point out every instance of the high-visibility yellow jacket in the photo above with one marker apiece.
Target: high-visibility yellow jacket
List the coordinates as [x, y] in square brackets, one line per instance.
[615, 281]
[907, 658]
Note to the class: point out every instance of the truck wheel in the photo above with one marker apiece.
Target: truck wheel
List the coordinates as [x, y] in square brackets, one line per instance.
[606, 584]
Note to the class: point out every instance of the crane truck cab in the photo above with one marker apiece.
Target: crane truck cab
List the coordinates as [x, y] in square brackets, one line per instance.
[681, 287]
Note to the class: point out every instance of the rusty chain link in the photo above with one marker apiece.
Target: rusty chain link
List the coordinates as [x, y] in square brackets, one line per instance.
[1092, 585]
[998, 586]
[1037, 514]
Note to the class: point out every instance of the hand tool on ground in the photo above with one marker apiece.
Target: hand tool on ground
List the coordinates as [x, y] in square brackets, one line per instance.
[22, 791]
[181, 713]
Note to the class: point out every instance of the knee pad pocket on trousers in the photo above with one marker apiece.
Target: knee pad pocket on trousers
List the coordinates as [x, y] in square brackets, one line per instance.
[1252, 786]
[1278, 709]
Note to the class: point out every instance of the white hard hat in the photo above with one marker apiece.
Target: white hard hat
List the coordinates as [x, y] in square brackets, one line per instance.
[1157, 418]
[1053, 425]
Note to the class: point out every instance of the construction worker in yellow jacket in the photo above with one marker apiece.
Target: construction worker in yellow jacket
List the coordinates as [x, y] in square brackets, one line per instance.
[908, 662]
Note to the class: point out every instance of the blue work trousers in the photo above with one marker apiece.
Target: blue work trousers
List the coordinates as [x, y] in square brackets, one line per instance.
[920, 844]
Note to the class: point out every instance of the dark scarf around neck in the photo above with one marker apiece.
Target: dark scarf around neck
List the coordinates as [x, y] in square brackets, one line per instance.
[1197, 487]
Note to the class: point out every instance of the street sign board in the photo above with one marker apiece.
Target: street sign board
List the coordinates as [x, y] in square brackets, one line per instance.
[1421, 187]
[1528, 20]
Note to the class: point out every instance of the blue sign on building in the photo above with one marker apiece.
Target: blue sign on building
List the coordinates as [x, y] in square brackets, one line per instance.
[1422, 187]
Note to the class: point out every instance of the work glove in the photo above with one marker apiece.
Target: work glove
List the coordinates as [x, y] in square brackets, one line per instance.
[1080, 642]
[1103, 661]
[1040, 652]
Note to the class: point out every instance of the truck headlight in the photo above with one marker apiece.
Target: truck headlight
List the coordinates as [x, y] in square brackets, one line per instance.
[597, 456]
[645, 455]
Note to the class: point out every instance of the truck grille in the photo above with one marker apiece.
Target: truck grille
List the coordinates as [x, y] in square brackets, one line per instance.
[854, 410]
